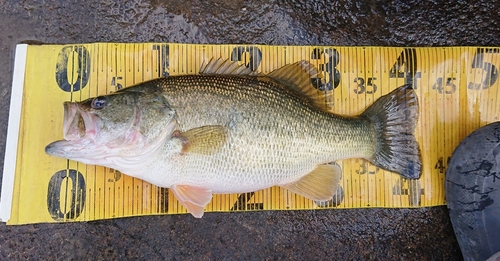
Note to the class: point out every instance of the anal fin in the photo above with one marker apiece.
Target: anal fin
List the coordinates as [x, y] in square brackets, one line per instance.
[194, 199]
[320, 184]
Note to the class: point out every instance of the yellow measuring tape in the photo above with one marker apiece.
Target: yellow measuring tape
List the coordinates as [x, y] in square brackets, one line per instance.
[458, 89]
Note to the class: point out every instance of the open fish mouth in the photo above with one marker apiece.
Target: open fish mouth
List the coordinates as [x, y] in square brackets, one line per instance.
[78, 124]
[80, 129]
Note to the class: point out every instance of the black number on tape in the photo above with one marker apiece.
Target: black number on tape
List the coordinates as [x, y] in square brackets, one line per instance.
[163, 59]
[66, 72]
[57, 206]
[440, 165]
[117, 175]
[335, 201]
[490, 72]
[114, 82]
[410, 188]
[365, 168]
[449, 87]
[163, 200]
[330, 68]
[255, 56]
[362, 88]
[242, 202]
[406, 67]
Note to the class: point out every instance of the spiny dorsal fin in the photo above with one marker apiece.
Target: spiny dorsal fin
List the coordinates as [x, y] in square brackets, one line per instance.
[220, 66]
[203, 140]
[320, 184]
[297, 77]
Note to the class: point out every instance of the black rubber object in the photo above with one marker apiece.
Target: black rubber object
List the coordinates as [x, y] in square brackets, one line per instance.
[473, 193]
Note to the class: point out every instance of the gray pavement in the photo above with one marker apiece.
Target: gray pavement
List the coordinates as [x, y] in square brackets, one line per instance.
[357, 234]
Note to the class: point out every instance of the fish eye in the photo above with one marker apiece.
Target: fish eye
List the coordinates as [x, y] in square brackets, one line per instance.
[99, 102]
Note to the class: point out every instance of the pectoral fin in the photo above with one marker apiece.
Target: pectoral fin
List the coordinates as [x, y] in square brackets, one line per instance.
[194, 199]
[203, 140]
[320, 184]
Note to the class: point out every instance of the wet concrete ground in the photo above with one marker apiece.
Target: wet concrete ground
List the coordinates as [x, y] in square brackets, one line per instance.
[358, 234]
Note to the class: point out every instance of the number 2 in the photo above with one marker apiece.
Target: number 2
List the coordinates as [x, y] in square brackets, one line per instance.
[255, 56]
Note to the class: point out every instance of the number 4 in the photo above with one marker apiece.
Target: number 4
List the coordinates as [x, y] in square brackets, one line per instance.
[406, 67]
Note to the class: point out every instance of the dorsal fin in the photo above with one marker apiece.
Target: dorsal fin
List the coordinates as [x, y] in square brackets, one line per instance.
[297, 77]
[220, 66]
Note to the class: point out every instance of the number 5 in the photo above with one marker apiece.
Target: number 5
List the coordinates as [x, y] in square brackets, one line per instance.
[490, 70]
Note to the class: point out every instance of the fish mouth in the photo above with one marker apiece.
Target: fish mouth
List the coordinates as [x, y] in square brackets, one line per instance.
[80, 129]
[78, 124]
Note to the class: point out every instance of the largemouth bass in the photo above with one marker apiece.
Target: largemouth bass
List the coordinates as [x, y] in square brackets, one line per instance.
[227, 130]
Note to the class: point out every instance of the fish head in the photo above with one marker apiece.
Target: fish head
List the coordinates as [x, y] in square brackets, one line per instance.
[116, 129]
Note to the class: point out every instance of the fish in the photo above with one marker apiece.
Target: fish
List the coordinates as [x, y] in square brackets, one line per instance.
[228, 129]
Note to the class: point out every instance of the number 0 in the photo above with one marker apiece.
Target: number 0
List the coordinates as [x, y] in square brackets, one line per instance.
[76, 196]
[82, 68]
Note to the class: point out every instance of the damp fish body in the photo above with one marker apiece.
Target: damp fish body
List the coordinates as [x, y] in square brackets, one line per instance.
[230, 131]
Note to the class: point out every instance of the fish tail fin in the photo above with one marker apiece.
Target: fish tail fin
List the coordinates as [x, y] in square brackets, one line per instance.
[394, 117]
